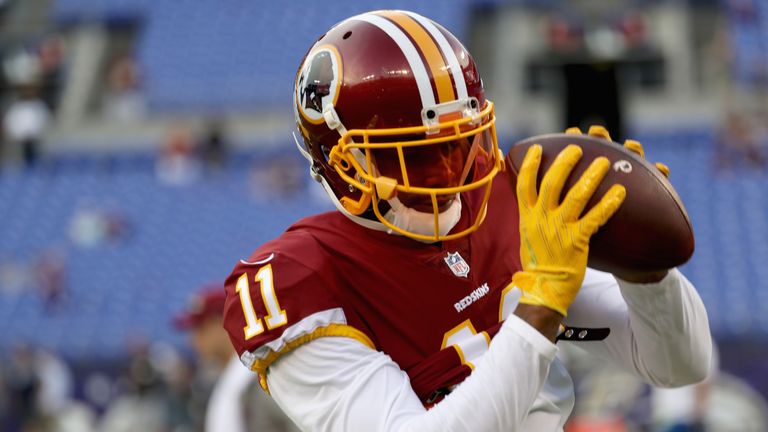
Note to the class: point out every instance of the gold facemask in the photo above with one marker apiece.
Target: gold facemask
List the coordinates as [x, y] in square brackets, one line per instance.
[358, 150]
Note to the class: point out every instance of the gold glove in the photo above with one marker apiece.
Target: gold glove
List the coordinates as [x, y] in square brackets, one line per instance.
[554, 241]
[631, 145]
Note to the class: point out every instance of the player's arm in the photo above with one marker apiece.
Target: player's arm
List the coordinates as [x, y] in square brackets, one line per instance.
[659, 331]
[545, 320]
[659, 326]
[338, 384]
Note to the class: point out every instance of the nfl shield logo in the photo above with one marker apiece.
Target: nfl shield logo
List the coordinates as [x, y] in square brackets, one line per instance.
[456, 263]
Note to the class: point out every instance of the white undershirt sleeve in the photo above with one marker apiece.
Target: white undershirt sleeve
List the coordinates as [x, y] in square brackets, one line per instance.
[338, 384]
[659, 331]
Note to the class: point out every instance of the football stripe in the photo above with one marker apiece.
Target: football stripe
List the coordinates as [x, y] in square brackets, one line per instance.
[429, 49]
[448, 53]
[410, 53]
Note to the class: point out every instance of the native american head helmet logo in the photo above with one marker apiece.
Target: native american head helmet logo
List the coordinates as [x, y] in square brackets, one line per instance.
[318, 83]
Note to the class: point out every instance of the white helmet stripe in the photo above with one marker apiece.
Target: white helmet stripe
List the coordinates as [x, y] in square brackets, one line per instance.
[448, 53]
[411, 55]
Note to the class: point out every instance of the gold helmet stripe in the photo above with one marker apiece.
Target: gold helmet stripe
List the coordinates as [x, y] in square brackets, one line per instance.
[448, 53]
[429, 49]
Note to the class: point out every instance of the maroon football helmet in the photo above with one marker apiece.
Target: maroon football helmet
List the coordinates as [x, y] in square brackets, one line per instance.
[392, 113]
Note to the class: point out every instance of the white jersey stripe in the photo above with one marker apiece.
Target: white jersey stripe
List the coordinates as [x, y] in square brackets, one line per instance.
[411, 55]
[448, 53]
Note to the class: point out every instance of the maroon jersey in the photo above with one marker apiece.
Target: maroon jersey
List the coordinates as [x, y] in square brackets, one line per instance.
[432, 308]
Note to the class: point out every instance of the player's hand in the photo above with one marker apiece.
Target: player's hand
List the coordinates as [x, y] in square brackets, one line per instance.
[631, 145]
[637, 148]
[554, 241]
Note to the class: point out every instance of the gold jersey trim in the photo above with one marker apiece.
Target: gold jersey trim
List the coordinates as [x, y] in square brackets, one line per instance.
[331, 330]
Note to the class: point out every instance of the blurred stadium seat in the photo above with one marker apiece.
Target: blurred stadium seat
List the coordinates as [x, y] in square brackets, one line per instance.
[221, 56]
[729, 212]
[748, 31]
[175, 239]
[180, 237]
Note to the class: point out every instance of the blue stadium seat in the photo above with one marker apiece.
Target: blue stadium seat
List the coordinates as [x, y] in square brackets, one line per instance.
[179, 238]
[220, 56]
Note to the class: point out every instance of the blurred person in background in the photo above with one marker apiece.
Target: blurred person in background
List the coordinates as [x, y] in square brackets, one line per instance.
[141, 404]
[277, 178]
[214, 144]
[96, 224]
[23, 384]
[236, 403]
[179, 163]
[39, 387]
[51, 54]
[738, 143]
[154, 392]
[59, 409]
[26, 122]
[123, 100]
[50, 278]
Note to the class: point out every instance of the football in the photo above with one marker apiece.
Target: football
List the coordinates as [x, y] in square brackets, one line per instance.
[651, 230]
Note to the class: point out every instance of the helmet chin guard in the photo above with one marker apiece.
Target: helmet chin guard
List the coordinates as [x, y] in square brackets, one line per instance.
[416, 222]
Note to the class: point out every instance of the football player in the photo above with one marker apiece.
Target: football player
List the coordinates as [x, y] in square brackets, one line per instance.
[414, 306]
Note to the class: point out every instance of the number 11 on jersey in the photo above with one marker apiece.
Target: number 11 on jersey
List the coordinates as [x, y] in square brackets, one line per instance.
[276, 316]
